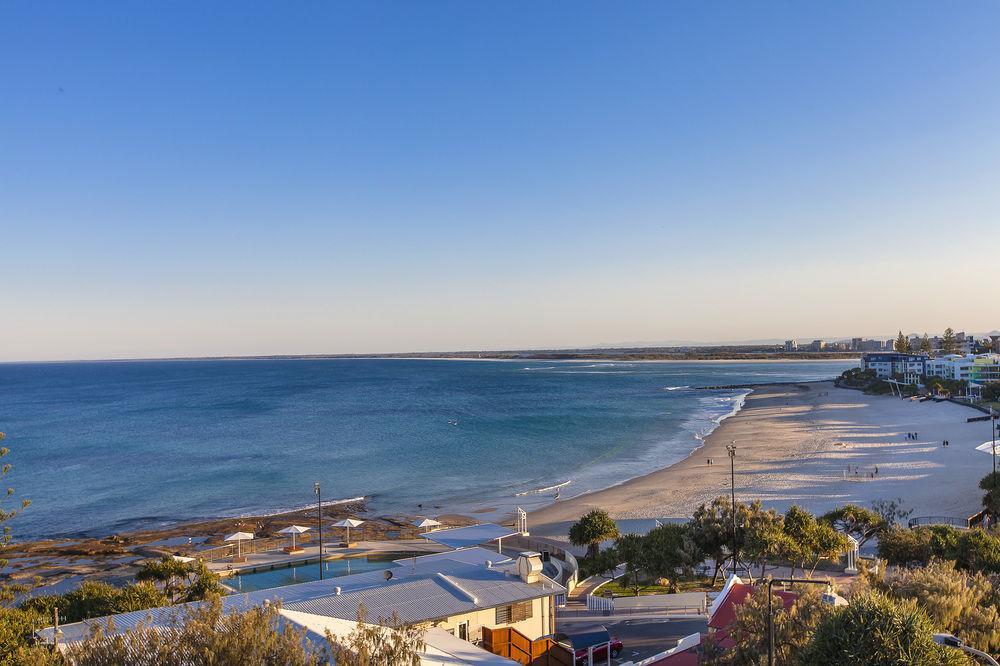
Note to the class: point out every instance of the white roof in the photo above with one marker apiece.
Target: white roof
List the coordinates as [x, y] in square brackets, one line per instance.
[348, 522]
[426, 522]
[987, 447]
[294, 529]
[444, 649]
[429, 588]
[473, 535]
[474, 555]
[240, 536]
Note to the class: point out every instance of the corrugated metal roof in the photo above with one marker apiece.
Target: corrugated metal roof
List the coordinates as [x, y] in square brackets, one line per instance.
[473, 535]
[425, 596]
[415, 593]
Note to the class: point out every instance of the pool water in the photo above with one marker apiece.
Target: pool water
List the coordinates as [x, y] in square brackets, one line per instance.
[304, 573]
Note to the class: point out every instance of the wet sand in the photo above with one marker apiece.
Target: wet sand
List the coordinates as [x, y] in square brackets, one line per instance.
[794, 444]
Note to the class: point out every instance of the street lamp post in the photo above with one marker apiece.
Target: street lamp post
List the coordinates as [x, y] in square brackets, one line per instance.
[731, 449]
[993, 430]
[319, 515]
[770, 611]
[952, 642]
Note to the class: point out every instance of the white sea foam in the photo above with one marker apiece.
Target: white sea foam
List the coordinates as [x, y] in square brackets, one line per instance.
[738, 402]
[543, 490]
[277, 512]
[675, 388]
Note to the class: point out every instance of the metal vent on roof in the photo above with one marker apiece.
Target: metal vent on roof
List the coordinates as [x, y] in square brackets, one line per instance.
[457, 589]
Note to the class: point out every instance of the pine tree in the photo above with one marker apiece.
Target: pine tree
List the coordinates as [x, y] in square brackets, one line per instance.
[925, 344]
[901, 345]
[949, 342]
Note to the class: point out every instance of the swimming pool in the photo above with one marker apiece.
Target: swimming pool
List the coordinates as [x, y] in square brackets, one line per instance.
[303, 573]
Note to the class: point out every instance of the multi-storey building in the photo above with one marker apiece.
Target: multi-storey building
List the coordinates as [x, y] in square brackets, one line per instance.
[973, 368]
[889, 364]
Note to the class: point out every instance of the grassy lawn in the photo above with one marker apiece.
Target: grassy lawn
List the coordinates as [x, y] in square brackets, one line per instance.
[693, 584]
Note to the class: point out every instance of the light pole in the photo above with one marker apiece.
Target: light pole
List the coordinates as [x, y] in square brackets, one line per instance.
[953, 642]
[731, 449]
[770, 611]
[319, 515]
[993, 431]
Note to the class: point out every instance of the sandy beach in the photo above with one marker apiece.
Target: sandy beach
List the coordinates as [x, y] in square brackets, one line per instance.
[794, 446]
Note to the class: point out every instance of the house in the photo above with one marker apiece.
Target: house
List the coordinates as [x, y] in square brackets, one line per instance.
[722, 613]
[459, 593]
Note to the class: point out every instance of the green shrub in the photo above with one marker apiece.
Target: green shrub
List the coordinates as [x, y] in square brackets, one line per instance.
[96, 599]
[902, 546]
[878, 631]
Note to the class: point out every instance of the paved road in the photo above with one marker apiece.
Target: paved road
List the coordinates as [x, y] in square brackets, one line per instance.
[644, 638]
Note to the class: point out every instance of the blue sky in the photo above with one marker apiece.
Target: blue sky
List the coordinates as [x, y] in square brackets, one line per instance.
[248, 178]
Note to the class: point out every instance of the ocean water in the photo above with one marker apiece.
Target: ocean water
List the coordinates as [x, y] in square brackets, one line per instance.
[101, 447]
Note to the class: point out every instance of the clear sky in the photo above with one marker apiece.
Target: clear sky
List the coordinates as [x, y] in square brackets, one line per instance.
[304, 177]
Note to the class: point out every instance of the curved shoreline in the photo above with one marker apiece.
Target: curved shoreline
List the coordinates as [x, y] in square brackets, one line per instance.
[795, 445]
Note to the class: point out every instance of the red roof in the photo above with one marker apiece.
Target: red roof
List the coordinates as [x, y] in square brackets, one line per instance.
[725, 614]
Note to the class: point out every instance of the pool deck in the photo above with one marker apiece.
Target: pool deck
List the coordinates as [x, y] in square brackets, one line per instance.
[279, 559]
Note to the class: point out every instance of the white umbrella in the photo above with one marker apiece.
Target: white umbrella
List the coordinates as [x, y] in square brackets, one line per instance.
[239, 537]
[427, 523]
[988, 447]
[293, 530]
[348, 523]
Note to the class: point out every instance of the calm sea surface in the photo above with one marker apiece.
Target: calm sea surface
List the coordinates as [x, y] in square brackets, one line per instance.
[109, 446]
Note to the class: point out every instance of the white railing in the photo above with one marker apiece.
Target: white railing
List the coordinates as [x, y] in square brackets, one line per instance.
[600, 604]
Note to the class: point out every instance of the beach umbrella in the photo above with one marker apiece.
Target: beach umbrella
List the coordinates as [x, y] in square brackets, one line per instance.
[348, 523]
[239, 537]
[293, 530]
[987, 447]
[427, 523]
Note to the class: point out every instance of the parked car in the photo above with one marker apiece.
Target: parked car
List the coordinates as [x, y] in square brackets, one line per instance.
[581, 639]
[600, 652]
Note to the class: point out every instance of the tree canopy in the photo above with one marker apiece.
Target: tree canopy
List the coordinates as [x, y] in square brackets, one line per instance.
[810, 541]
[949, 341]
[959, 602]
[857, 521]
[902, 344]
[181, 581]
[876, 630]
[593, 528]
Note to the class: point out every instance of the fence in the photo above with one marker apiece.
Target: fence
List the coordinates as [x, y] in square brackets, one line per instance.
[600, 604]
[512, 644]
[690, 602]
[247, 547]
[962, 523]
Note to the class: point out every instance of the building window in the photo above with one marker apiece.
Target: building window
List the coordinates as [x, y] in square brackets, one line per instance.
[503, 614]
[514, 613]
[521, 611]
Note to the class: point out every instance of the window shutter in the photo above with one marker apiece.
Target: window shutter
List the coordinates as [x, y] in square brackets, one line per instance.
[521, 611]
[503, 614]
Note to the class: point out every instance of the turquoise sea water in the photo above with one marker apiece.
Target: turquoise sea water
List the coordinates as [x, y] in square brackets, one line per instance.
[108, 446]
